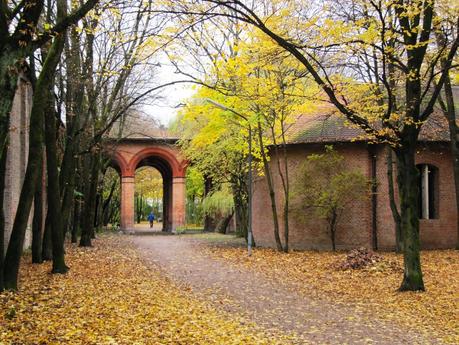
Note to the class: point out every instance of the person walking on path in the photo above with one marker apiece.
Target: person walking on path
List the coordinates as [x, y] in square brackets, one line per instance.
[151, 218]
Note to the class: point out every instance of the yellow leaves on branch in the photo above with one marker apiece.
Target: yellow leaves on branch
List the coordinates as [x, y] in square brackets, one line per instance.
[149, 183]
[110, 297]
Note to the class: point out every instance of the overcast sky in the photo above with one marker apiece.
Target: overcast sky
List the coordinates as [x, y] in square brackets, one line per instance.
[165, 110]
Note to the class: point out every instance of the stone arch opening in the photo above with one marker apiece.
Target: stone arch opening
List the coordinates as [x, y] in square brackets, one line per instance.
[165, 169]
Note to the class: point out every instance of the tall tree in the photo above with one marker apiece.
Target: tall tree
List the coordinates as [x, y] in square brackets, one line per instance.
[52, 161]
[41, 100]
[213, 141]
[118, 46]
[325, 45]
[20, 36]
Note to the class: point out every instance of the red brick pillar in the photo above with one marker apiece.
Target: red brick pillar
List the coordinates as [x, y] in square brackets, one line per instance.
[127, 203]
[178, 202]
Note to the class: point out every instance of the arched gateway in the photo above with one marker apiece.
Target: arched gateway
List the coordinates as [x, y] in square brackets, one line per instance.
[132, 153]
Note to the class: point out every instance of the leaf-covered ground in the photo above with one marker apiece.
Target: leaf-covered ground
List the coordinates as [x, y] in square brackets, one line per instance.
[371, 290]
[269, 300]
[110, 297]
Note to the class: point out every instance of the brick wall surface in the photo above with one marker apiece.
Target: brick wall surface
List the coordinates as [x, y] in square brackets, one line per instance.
[355, 226]
[434, 233]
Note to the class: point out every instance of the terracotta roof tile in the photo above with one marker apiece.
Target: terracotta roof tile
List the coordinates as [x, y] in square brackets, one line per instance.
[328, 126]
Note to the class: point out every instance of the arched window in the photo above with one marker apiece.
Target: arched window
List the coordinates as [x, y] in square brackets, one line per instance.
[428, 191]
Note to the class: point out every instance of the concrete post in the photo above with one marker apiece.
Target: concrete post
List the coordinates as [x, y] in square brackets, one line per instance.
[178, 202]
[127, 203]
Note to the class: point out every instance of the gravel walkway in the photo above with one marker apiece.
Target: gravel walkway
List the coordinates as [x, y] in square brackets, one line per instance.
[263, 301]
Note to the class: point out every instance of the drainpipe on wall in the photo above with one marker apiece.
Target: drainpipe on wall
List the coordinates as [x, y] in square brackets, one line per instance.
[374, 197]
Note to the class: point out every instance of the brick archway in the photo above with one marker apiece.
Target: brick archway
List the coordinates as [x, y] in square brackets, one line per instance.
[130, 154]
[178, 167]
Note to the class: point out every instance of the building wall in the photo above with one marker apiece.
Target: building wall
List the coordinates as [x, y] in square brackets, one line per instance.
[355, 227]
[434, 233]
[18, 149]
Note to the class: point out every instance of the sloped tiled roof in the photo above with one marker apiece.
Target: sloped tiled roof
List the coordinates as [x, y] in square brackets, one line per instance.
[326, 125]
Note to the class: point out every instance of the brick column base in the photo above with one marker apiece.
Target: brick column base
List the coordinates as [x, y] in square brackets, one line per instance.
[178, 202]
[127, 203]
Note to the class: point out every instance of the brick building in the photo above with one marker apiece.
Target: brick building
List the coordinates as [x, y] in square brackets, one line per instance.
[367, 222]
[18, 149]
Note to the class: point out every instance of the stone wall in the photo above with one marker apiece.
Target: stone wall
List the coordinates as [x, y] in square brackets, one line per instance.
[18, 147]
[355, 227]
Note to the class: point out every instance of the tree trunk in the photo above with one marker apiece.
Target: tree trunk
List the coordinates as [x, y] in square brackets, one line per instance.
[95, 185]
[54, 201]
[2, 214]
[37, 224]
[68, 191]
[16, 244]
[67, 214]
[76, 224]
[393, 203]
[286, 187]
[106, 204]
[74, 113]
[138, 206]
[8, 84]
[272, 194]
[40, 103]
[407, 179]
[449, 110]
[241, 209]
[76, 220]
[332, 226]
[54, 190]
[209, 221]
[97, 211]
[454, 131]
[223, 224]
[85, 238]
[89, 205]
[47, 245]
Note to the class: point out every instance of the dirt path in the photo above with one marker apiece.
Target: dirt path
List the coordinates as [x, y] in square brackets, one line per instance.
[263, 301]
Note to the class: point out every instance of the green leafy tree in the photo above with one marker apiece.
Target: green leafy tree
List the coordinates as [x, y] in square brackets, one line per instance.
[327, 188]
[216, 144]
[219, 204]
[194, 196]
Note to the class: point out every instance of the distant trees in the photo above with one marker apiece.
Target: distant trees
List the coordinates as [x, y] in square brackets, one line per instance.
[217, 147]
[110, 199]
[148, 193]
[324, 187]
